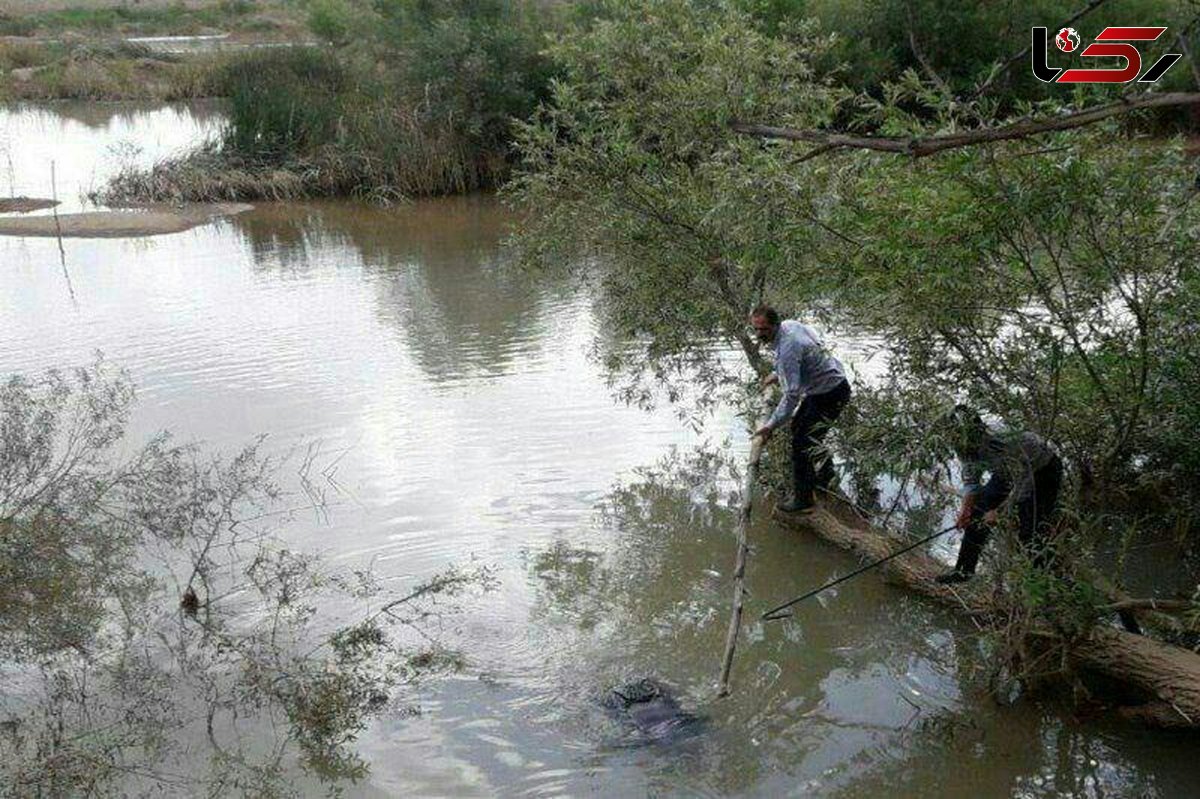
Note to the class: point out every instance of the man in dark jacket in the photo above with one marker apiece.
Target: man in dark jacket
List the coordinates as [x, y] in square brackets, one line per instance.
[1022, 469]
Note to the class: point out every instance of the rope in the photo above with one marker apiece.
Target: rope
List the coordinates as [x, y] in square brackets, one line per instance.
[775, 613]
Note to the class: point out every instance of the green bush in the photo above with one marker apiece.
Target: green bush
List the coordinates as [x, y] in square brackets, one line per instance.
[420, 101]
[479, 62]
[16, 26]
[332, 20]
[284, 102]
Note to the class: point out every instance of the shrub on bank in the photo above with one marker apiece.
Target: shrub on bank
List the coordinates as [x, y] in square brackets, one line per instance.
[285, 102]
[423, 107]
[479, 63]
[307, 122]
[135, 19]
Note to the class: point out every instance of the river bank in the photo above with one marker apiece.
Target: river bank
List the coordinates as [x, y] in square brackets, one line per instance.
[277, 20]
[145, 221]
[103, 70]
[149, 51]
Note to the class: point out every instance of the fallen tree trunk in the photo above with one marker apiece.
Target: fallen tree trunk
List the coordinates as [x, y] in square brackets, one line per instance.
[1168, 676]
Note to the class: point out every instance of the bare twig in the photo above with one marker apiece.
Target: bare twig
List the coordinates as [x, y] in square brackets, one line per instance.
[816, 151]
[1153, 604]
[440, 583]
[943, 87]
[1004, 66]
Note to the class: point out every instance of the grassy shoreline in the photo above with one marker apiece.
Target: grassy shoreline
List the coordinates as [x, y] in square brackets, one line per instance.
[80, 49]
[401, 98]
[118, 70]
[273, 19]
[409, 100]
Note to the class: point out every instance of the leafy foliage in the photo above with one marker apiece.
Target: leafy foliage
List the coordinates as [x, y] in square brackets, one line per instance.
[480, 61]
[143, 607]
[284, 102]
[632, 163]
[1050, 280]
[417, 99]
[960, 43]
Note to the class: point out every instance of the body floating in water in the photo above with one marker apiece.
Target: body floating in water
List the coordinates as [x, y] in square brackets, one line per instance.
[652, 713]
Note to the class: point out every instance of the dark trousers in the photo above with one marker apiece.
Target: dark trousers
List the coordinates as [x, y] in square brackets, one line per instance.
[809, 426]
[1035, 513]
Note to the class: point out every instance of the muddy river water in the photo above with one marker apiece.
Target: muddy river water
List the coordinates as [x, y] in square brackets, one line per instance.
[469, 426]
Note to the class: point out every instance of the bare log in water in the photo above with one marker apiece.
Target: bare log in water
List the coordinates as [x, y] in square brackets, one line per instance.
[1151, 668]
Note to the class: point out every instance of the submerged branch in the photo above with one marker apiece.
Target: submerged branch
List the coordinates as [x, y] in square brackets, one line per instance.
[1167, 676]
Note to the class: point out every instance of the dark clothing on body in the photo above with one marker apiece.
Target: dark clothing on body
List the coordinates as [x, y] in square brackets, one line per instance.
[809, 426]
[1035, 513]
[1021, 466]
[1009, 457]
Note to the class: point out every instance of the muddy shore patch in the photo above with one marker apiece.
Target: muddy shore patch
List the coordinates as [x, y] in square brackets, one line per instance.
[23, 205]
[128, 223]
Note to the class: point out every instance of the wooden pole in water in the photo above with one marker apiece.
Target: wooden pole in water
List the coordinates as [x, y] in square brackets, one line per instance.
[743, 549]
[62, 253]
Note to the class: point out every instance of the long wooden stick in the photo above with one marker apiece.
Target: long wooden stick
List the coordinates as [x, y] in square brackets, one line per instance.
[62, 253]
[739, 569]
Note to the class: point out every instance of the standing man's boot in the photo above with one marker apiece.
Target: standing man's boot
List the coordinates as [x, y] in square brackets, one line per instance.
[968, 557]
[795, 505]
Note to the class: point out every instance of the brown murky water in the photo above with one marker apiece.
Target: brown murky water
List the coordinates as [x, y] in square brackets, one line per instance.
[468, 425]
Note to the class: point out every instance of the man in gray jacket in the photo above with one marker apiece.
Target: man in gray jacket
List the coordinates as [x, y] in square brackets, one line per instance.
[1022, 469]
[815, 391]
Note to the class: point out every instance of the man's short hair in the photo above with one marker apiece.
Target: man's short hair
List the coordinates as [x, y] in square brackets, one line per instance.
[766, 312]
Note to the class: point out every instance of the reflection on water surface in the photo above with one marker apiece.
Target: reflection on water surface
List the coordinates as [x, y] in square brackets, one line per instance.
[467, 423]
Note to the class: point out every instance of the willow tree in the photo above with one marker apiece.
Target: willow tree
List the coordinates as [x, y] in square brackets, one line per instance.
[631, 171]
[1040, 266]
[1048, 282]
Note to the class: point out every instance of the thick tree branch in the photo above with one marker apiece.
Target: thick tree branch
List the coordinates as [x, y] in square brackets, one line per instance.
[918, 147]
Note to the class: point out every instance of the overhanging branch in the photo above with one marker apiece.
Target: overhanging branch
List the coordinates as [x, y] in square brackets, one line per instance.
[918, 147]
